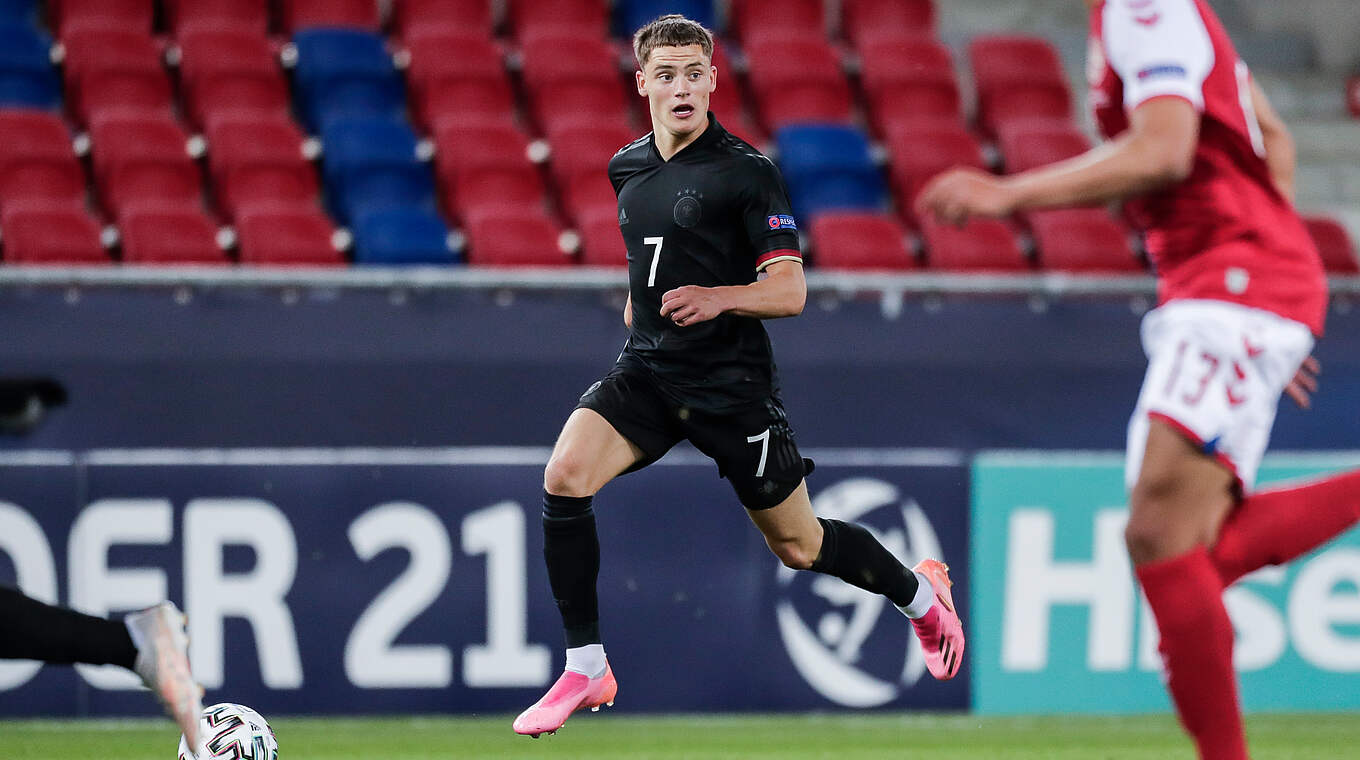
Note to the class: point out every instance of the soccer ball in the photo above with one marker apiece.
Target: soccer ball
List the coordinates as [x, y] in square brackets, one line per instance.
[233, 732]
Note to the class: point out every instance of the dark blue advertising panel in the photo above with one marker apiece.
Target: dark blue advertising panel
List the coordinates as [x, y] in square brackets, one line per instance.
[412, 580]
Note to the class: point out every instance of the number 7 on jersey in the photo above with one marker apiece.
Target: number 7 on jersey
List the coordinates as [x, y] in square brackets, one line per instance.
[656, 258]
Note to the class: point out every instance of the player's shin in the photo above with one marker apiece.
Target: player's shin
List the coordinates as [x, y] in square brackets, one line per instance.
[852, 554]
[1273, 527]
[1196, 646]
[571, 548]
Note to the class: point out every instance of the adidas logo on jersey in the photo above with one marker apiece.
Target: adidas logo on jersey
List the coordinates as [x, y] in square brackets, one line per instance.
[623, 215]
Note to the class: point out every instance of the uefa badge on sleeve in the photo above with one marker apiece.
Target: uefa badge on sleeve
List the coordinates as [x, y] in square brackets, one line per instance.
[781, 222]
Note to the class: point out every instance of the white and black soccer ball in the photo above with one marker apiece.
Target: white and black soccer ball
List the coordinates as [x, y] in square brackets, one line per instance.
[233, 732]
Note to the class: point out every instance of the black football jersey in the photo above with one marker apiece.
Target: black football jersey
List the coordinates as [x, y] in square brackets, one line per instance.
[715, 214]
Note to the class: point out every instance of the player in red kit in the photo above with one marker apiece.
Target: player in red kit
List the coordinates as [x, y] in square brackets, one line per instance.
[1205, 167]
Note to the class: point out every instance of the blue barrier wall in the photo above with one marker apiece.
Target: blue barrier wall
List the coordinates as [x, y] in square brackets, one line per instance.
[238, 367]
[412, 580]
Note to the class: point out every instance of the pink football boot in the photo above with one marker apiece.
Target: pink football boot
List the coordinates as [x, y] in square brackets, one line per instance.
[940, 630]
[572, 692]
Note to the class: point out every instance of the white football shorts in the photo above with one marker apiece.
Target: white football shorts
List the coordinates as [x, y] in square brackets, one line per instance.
[1216, 371]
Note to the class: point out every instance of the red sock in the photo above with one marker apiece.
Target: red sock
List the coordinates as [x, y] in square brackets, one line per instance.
[1197, 642]
[1273, 527]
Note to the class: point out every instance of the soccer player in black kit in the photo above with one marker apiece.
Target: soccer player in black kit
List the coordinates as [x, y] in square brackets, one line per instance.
[703, 214]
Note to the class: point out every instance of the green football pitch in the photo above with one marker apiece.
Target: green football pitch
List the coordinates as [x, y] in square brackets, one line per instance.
[705, 737]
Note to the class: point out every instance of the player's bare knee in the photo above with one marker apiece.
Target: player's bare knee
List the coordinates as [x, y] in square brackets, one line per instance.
[794, 554]
[567, 475]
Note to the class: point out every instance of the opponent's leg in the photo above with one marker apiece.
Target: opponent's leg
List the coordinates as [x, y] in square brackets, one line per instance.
[803, 541]
[1273, 527]
[588, 454]
[151, 643]
[1178, 503]
[32, 630]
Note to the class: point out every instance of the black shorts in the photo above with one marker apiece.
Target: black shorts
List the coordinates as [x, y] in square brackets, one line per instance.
[753, 446]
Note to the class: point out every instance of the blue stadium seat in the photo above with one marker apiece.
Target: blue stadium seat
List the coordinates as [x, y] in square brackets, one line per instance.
[828, 166]
[18, 10]
[371, 163]
[401, 236]
[630, 15]
[27, 77]
[345, 72]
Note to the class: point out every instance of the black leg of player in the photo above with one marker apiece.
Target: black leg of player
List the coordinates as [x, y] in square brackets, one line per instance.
[31, 630]
[852, 554]
[571, 548]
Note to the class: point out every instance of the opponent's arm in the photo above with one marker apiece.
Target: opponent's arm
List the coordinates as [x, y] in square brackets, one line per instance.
[1157, 150]
[781, 294]
[1280, 154]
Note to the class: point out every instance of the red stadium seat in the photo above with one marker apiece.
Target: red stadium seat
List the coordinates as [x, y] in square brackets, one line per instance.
[259, 159]
[250, 16]
[37, 161]
[601, 243]
[127, 15]
[728, 101]
[919, 151]
[1027, 143]
[587, 194]
[798, 80]
[114, 70]
[143, 159]
[860, 240]
[300, 14]
[274, 234]
[1022, 101]
[906, 79]
[459, 99]
[1017, 77]
[169, 235]
[51, 234]
[514, 237]
[585, 148]
[485, 163]
[415, 17]
[757, 20]
[984, 245]
[458, 76]
[570, 78]
[863, 20]
[1003, 59]
[582, 18]
[1082, 240]
[475, 190]
[1333, 244]
[460, 146]
[230, 70]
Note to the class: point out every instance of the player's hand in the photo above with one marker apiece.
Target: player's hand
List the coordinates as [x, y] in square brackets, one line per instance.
[959, 194]
[690, 305]
[1305, 383]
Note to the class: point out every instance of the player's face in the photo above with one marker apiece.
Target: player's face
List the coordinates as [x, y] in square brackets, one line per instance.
[677, 82]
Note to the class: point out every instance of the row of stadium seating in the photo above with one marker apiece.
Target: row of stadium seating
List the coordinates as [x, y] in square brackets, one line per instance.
[488, 176]
[747, 19]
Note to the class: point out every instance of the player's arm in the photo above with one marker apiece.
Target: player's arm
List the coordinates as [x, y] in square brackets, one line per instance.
[781, 293]
[628, 312]
[1157, 150]
[1280, 153]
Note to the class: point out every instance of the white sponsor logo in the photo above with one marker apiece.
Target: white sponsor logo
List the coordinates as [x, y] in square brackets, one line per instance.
[829, 626]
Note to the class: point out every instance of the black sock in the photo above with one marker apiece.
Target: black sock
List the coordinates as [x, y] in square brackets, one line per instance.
[852, 554]
[31, 630]
[572, 550]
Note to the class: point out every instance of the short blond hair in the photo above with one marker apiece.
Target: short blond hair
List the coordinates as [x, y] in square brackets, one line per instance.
[667, 31]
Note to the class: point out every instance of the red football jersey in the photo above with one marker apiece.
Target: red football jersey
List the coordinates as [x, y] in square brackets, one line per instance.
[1225, 232]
